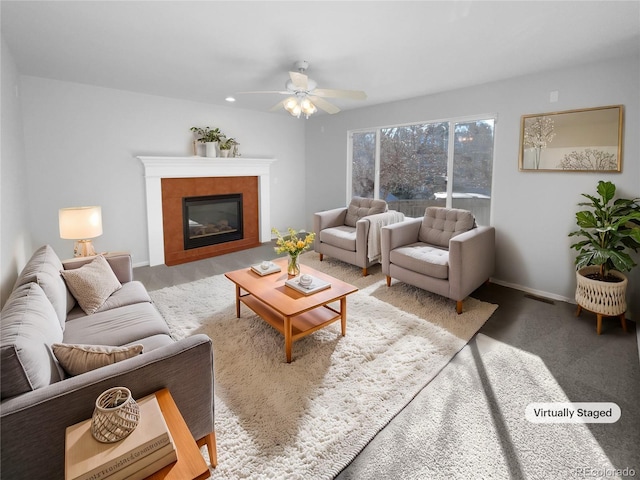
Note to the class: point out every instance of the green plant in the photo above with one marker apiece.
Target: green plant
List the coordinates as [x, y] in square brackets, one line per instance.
[227, 144]
[207, 134]
[610, 229]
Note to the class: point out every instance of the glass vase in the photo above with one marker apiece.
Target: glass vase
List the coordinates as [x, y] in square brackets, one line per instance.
[293, 267]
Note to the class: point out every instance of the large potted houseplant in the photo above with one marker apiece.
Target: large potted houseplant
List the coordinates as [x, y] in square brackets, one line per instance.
[610, 229]
[210, 137]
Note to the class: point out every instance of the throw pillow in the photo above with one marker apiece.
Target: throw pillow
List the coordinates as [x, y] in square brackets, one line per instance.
[92, 284]
[77, 359]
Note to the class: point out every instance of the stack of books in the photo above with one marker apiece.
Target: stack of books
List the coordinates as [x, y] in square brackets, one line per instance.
[265, 268]
[315, 285]
[143, 452]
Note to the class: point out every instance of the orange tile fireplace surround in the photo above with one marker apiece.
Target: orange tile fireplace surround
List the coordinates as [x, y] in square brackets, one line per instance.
[175, 189]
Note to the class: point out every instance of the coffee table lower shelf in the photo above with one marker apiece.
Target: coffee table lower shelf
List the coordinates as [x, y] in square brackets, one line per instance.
[300, 325]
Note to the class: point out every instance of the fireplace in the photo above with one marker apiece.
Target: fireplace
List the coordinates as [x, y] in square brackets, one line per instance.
[170, 179]
[212, 219]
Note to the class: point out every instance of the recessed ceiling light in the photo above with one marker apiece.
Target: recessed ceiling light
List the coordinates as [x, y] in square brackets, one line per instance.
[230, 99]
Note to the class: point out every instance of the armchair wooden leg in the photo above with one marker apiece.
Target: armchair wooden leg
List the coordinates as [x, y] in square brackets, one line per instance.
[210, 441]
[459, 307]
[598, 323]
[624, 323]
[388, 281]
[321, 256]
[364, 272]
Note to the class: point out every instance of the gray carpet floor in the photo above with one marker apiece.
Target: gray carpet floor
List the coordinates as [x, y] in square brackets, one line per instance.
[588, 367]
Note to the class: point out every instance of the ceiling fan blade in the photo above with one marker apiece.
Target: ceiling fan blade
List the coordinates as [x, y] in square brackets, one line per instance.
[299, 80]
[329, 93]
[278, 105]
[324, 105]
[281, 92]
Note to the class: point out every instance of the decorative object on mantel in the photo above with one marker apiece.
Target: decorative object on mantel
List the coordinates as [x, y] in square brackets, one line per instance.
[228, 147]
[609, 228]
[210, 137]
[294, 246]
[116, 415]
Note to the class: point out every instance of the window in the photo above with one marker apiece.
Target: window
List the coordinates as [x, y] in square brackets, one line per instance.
[445, 163]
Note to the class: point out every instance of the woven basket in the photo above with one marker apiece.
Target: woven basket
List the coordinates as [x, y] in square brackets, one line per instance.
[606, 298]
[115, 416]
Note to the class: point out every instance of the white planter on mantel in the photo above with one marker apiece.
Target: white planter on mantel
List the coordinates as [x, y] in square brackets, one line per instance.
[157, 168]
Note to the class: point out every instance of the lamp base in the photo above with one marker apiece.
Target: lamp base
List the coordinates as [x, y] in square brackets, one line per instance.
[83, 248]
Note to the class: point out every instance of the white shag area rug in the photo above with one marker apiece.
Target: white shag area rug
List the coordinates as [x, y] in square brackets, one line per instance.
[310, 418]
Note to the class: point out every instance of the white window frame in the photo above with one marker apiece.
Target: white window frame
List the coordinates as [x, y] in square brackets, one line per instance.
[450, 152]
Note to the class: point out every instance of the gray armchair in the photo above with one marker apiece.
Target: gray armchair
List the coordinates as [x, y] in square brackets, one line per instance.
[343, 233]
[444, 253]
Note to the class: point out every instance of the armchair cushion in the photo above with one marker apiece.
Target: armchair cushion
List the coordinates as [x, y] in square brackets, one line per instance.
[343, 237]
[439, 225]
[423, 259]
[361, 207]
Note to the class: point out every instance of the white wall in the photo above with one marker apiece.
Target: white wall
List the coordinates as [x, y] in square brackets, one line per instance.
[81, 143]
[15, 238]
[533, 212]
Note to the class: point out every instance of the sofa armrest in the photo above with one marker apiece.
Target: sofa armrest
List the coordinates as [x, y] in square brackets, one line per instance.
[397, 235]
[471, 260]
[120, 263]
[36, 421]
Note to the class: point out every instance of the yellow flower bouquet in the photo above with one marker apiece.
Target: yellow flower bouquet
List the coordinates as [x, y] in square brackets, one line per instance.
[293, 245]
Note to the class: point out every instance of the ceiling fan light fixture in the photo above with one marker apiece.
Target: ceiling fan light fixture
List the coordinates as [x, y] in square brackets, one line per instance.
[307, 107]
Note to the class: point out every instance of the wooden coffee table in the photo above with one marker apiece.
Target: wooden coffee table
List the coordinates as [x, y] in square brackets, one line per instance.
[292, 313]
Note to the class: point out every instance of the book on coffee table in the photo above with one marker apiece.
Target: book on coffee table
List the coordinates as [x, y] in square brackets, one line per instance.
[316, 285]
[272, 268]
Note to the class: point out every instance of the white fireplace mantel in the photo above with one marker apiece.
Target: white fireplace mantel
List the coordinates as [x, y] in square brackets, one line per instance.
[157, 168]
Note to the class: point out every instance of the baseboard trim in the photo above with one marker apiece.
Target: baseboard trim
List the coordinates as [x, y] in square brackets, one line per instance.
[533, 291]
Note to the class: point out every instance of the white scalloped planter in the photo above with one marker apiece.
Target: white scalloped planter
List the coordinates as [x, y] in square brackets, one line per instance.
[605, 299]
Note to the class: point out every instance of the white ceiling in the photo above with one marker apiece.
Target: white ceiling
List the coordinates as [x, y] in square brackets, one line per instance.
[207, 50]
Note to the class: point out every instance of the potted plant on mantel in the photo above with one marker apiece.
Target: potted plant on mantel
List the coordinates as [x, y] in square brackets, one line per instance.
[227, 146]
[210, 137]
[610, 228]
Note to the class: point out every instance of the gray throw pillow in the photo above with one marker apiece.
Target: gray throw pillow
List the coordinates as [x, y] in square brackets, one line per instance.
[92, 284]
[78, 359]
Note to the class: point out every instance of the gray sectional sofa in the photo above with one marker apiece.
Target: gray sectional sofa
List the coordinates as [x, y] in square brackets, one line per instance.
[40, 398]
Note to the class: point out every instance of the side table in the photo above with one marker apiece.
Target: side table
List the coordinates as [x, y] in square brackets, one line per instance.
[190, 463]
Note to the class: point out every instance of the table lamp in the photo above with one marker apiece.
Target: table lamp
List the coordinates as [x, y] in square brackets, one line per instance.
[81, 224]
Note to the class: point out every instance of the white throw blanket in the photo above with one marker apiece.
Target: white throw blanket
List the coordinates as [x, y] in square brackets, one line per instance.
[376, 222]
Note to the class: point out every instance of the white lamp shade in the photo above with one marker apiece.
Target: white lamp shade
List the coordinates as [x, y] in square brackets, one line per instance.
[79, 223]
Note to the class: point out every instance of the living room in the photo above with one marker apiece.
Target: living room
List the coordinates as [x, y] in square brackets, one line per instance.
[69, 142]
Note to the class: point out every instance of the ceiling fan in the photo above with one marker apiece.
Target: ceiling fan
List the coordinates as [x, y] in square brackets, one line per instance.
[304, 97]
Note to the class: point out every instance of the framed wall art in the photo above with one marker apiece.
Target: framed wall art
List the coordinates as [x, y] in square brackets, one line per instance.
[585, 140]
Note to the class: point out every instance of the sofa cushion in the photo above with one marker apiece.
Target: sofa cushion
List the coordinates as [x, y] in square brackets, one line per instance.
[44, 268]
[421, 258]
[440, 225]
[119, 326]
[343, 237]
[130, 293]
[29, 326]
[92, 284]
[360, 207]
[78, 359]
